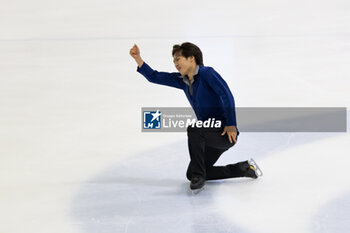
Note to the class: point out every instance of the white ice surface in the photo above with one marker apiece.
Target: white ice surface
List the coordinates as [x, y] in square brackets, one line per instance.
[72, 155]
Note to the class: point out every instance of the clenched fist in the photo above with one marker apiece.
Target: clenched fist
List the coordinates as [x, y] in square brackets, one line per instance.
[135, 53]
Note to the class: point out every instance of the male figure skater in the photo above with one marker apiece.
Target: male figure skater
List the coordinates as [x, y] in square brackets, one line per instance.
[210, 97]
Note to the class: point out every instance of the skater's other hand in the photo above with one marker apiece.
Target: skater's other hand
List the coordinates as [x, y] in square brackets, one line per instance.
[135, 53]
[231, 132]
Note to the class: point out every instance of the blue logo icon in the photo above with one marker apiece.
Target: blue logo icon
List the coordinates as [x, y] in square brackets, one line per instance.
[151, 119]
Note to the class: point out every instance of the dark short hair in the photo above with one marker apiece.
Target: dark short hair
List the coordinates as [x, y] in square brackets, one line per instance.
[188, 49]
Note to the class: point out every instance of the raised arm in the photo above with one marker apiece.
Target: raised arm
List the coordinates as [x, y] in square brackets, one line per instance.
[162, 78]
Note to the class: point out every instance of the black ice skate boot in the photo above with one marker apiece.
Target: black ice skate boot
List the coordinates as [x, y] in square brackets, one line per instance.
[253, 171]
[197, 183]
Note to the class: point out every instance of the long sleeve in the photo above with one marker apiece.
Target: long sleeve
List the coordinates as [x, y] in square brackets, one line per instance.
[220, 87]
[162, 78]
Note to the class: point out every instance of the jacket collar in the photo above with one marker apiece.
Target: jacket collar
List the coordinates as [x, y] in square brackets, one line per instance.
[185, 78]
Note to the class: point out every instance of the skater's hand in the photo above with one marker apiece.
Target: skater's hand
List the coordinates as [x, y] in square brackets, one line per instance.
[135, 53]
[231, 132]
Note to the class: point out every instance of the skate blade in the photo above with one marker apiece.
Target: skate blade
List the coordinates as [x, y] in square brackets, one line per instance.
[196, 191]
[258, 171]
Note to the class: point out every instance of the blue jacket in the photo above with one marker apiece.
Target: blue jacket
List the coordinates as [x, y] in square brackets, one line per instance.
[211, 97]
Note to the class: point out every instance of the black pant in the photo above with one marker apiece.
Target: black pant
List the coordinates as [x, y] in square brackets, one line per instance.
[206, 145]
